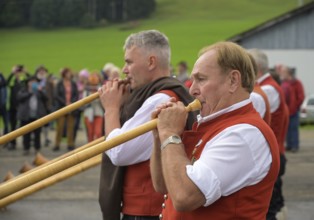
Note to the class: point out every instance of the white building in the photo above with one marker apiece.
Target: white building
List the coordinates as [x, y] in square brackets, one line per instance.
[287, 39]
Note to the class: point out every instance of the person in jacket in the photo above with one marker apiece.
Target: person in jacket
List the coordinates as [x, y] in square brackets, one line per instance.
[32, 106]
[226, 166]
[66, 93]
[14, 83]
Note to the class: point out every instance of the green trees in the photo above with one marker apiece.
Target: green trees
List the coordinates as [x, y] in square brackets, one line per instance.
[58, 13]
[139, 8]
[11, 13]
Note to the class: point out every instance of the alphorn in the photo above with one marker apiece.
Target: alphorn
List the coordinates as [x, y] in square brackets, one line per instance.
[55, 178]
[10, 187]
[50, 181]
[59, 158]
[44, 120]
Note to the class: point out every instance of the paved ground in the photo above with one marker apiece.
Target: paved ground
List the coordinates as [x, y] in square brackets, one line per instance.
[76, 198]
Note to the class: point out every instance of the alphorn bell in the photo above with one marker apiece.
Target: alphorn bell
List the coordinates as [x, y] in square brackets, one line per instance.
[97, 141]
[8, 176]
[26, 167]
[39, 159]
[50, 181]
[55, 178]
[40, 174]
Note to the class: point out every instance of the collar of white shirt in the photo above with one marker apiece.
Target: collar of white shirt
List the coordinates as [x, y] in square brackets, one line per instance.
[263, 77]
[233, 107]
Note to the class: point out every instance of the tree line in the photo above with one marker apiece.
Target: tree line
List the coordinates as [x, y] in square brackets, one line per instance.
[69, 13]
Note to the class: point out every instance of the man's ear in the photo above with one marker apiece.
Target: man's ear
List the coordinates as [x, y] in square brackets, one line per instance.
[234, 80]
[152, 62]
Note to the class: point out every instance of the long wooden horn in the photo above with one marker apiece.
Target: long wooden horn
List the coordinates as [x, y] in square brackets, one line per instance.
[53, 179]
[50, 181]
[97, 141]
[10, 187]
[44, 120]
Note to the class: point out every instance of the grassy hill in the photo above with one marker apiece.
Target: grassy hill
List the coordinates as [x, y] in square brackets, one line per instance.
[190, 25]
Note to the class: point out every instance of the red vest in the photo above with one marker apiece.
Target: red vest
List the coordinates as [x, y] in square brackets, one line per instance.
[139, 195]
[279, 118]
[267, 116]
[250, 202]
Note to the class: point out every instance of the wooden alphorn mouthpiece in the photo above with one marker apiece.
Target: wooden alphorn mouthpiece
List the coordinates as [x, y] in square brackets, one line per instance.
[26, 167]
[194, 106]
[39, 159]
[124, 81]
[8, 176]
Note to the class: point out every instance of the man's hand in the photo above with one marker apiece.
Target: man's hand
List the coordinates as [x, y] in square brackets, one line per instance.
[112, 95]
[171, 118]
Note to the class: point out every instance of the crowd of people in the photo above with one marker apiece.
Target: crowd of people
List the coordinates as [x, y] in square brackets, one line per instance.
[225, 161]
[27, 97]
[42, 93]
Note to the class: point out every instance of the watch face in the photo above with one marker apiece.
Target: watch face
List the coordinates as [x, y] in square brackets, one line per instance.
[176, 139]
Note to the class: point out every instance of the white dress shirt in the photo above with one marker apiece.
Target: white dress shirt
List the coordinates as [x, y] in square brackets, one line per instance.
[140, 148]
[237, 157]
[271, 93]
[258, 103]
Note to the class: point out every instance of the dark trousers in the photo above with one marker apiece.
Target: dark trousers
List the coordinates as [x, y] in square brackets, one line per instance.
[77, 121]
[292, 139]
[27, 137]
[13, 122]
[131, 217]
[277, 199]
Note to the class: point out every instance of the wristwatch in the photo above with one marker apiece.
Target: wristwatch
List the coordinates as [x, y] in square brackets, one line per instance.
[174, 139]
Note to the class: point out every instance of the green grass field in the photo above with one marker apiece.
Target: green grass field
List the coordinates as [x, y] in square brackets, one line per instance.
[189, 26]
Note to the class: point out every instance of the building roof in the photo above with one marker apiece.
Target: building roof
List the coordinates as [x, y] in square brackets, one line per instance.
[272, 22]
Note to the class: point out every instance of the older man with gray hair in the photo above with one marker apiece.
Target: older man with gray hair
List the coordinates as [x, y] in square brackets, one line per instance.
[147, 67]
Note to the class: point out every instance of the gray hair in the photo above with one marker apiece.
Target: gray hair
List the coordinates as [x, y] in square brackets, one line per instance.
[151, 41]
[260, 59]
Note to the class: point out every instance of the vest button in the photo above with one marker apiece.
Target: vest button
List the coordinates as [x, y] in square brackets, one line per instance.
[160, 216]
[163, 205]
[165, 196]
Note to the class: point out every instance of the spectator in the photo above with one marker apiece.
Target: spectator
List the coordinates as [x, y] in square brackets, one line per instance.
[93, 112]
[292, 140]
[41, 73]
[285, 79]
[14, 82]
[106, 71]
[32, 106]
[65, 93]
[114, 73]
[183, 75]
[81, 84]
